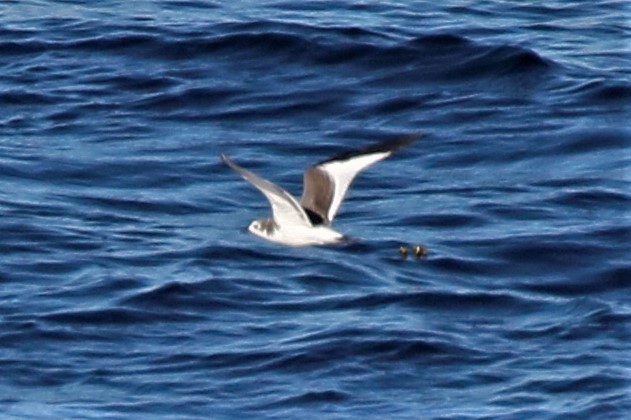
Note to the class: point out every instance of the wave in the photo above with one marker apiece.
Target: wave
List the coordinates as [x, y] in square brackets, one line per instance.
[608, 92]
[124, 272]
[454, 54]
[603, 281]
[117, 316]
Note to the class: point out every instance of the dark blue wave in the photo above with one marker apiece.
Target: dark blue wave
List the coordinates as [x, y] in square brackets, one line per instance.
[273, 41]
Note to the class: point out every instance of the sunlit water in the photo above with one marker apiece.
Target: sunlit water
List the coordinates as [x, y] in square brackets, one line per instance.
[129, 289]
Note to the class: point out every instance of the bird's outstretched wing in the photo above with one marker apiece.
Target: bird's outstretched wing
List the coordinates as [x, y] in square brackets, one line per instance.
[285, 208]
[326, 183]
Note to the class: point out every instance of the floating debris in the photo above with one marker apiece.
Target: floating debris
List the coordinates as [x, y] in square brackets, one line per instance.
[403, 250]
[420, 251]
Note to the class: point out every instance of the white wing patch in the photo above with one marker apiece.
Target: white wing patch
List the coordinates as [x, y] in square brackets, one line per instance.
[286, 210]
[342, 173]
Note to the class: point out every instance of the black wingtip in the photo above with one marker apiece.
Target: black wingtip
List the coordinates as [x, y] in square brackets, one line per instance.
[400, 142]
[389, 145]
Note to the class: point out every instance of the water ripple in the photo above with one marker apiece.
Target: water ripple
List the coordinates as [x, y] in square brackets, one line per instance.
[129, 288]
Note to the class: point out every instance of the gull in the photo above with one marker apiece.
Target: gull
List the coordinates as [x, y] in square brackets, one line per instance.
[308, 221]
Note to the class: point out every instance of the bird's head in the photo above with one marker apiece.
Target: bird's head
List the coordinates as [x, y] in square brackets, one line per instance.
[262, 227]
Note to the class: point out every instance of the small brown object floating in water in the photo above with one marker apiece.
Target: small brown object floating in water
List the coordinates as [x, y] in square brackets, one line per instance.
[403, 250]
[420, 251]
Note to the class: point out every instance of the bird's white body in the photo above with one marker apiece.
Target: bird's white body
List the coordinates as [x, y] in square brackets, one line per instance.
[296, 235]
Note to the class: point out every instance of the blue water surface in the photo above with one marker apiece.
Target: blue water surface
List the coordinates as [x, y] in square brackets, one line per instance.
[128, 288]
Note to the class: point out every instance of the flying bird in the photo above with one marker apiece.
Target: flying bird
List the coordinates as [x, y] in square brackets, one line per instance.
[308, 221]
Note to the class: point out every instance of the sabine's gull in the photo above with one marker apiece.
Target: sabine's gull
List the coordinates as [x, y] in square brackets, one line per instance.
[308, 221]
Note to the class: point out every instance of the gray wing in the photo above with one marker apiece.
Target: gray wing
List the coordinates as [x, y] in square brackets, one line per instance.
[326, 184]
[285, 208]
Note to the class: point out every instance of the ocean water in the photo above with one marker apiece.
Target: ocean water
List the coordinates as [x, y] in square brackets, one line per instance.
[128, 288]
